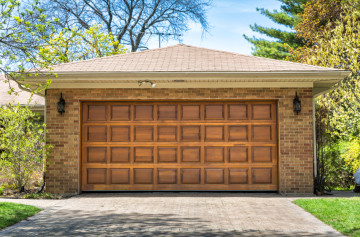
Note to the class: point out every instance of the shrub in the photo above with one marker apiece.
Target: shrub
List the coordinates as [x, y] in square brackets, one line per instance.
[339, 174]
[351, 153]
[39, 196]
[22, 144]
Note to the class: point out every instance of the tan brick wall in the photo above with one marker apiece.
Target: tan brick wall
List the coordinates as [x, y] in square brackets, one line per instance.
[295, 131]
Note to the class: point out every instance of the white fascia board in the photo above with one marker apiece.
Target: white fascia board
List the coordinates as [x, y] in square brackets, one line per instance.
[278, 75]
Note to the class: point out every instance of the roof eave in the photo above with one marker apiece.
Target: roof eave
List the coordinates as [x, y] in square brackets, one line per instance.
[301, 74]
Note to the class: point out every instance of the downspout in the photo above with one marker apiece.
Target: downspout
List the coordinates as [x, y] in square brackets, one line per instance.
[41, 189]
[314, 137]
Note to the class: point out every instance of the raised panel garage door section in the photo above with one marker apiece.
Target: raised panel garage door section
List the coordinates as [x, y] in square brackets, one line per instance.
[192, 145]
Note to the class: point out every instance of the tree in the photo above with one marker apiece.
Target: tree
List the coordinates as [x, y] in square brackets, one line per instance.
[289, 17]
[130, 22]
[316, 17]
[74, 45]
[22, 144]
[23, 31]
[336, 44]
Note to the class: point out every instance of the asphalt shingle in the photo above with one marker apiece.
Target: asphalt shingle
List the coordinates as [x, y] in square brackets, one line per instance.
[184, 58]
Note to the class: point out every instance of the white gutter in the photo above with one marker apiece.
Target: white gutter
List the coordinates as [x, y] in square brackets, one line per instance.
[166, 75]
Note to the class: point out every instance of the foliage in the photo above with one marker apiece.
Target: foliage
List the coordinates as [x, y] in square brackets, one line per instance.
[336, 44]
[331, 169]
[1, 190]
[22, 141]
[289, 17]
[74, 45]
[338, 173]
[11, 213]
[317, 17]
[130, 22]
[341, 213]
[351, 153]
[39, 196]
[23, 31]
[339, 47]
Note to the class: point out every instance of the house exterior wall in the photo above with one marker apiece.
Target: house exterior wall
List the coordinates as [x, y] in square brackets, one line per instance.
[295, 132]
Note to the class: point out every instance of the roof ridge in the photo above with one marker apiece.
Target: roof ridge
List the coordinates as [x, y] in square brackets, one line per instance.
[116, 55]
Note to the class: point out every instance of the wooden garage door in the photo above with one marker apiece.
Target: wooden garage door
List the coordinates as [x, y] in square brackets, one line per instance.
[179, 146]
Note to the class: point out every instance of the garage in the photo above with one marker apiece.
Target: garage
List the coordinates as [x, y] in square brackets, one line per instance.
[179, 145]
[183, 118]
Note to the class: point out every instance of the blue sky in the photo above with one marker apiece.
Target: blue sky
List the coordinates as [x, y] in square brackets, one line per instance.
[229, 20]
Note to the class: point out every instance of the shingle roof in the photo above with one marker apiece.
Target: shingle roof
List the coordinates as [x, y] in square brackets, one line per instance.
[22, 97]
[184, 58]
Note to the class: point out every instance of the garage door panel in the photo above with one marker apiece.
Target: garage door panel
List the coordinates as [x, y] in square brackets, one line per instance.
[179, 146]
[214, 154]
[214, 133]
[262, 175]
[190, 176]
[120, 113]
[190, 154]
[96, 133]
[167, 112]
[190, 112]
[96, 154]
[144, 154]
[96, 176]
[120, 155]
[167, 154]
[144, 112]
[262, 133]
[214, 112]
[120, 133]
[262, 154]
[238, 111]
[238, 176]
[261, 112]
[238, 133]
[167, 176]
[214, 176]
[167, 133]
[238, 154]
[190, 133]
[144, 133]
[143, 176]
[96, 113]
[120, 176]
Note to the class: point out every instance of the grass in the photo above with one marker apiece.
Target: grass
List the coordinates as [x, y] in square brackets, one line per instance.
[11, 213]
[341, 213]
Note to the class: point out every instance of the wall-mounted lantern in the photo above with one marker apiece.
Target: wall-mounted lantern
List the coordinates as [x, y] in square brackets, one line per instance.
[297, 104]
[61, 105]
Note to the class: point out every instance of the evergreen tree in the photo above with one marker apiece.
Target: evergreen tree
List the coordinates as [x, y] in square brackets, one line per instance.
[288, 16]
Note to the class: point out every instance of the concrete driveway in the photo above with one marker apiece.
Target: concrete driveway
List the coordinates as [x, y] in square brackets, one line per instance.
[170, 214]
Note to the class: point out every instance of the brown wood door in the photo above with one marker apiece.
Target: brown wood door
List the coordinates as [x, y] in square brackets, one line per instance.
[179, 146]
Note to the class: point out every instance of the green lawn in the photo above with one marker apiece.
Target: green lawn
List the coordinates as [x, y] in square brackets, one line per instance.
[341, 213]
[11, 213]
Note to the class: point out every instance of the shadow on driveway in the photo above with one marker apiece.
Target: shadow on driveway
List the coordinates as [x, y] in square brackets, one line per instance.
[108, 223]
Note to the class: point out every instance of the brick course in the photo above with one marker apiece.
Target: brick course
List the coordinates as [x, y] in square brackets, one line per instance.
[295, 131]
